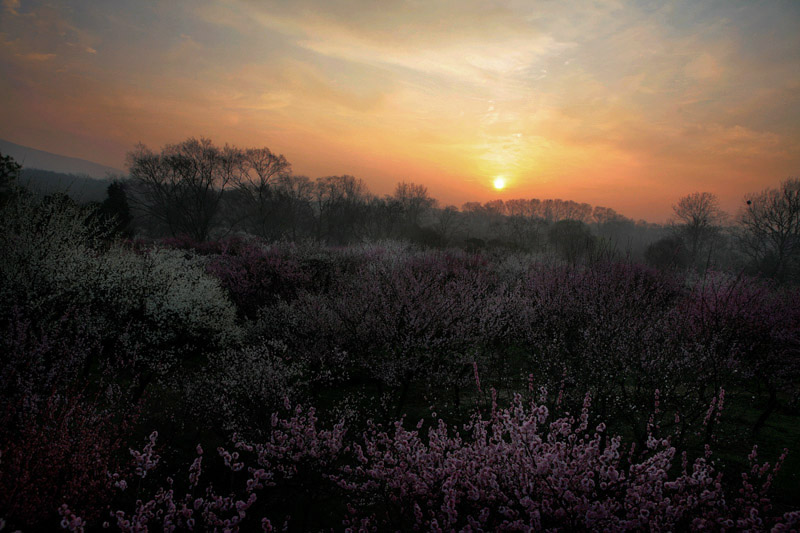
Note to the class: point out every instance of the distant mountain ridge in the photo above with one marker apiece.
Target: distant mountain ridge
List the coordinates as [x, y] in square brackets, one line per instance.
[81, 188]
[39, 159]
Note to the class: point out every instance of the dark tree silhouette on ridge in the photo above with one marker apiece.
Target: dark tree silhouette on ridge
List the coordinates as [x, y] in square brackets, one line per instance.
[770, 229]
[183, 185]
[697, 216]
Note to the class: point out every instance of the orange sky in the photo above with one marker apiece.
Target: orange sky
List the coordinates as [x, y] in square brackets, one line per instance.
[623, 104]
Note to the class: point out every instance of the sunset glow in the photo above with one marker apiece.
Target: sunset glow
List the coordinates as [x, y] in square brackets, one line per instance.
[499, 183]
[619, 103]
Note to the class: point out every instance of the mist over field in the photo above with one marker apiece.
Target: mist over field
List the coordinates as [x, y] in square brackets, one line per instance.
[350, 266]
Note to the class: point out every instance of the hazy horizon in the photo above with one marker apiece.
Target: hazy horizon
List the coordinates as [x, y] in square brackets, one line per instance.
[628, 105]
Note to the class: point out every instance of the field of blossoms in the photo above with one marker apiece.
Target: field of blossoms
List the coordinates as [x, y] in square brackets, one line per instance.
[236, 385]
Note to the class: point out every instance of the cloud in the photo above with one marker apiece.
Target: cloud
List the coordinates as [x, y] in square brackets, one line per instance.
[36, 56]
[479, 63]
[183, 49]
[704, 67]
[11, 6]
[469, 41]
[735, 140]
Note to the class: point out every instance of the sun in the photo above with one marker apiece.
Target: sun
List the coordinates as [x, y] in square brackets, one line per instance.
[499, 183]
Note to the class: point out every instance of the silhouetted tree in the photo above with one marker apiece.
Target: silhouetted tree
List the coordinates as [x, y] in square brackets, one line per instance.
[770, 230]
[572, 239]
[697, 219]
[667, 252]
[115, 209]
[182, 187]
[9, 175]
[295, 193]
[340, 205]
[602, 215]
[414, 202]
[448, 222]
[384, 218]
[258, 189]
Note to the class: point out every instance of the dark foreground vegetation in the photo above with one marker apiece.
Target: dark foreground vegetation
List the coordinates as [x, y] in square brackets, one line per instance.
[189, 383]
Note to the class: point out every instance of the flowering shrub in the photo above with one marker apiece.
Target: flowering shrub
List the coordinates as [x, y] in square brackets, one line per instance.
[160, 303]
[164, 302]
[57, 443]
[400, 322]
[394, 322]
[238, 388]
[184, 242]
[58, 452]
[616, 330]
[523, 470]
[47, 247]
[295, 450]
[40, 359]
[519, 469]
[751, 328]
[255, 276]
[83, 322]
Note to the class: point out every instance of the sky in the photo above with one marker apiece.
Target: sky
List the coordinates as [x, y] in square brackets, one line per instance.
[625, 104]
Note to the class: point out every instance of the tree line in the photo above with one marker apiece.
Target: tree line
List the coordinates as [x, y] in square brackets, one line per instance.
[199, 190]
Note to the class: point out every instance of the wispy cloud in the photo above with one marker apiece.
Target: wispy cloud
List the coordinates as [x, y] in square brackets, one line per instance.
[36, 56]
[11, 6]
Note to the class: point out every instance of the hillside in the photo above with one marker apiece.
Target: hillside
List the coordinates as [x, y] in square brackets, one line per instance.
[81, 188]
[32, 158]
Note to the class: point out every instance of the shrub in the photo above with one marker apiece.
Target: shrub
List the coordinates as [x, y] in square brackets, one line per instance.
[159, 303]
[519, 469]
[255, 276]
[238, 388]
[61, 452]
[164, 303]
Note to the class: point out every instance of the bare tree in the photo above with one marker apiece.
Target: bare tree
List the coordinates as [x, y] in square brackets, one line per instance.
[385, 218]
[256, 187]
[414, 201]
[572, 239]
[294, 194]
[9, 175]
[449, 222]
[519, 208]
[182, 187]
[697, 218]
[770, 224]
[574, 211]
[340, 204]
[604, 215]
